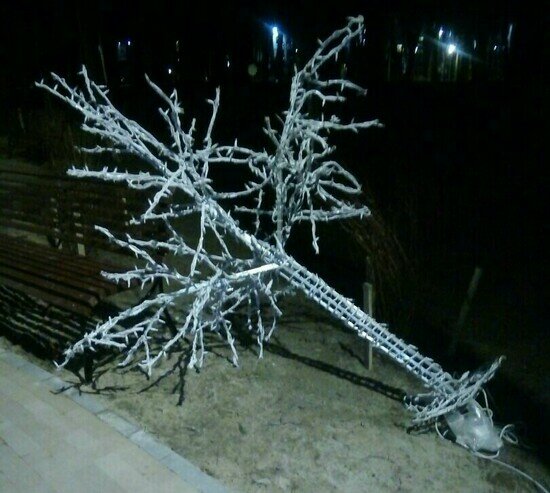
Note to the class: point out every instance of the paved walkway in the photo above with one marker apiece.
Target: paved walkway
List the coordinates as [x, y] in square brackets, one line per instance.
[71, 443]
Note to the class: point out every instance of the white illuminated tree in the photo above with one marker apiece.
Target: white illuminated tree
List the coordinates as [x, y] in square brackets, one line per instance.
[304, 184]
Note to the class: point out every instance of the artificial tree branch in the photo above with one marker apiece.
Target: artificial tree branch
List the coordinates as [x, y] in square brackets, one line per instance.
[212, 282]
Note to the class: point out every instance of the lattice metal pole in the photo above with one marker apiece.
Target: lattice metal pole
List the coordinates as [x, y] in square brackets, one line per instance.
[447, 393]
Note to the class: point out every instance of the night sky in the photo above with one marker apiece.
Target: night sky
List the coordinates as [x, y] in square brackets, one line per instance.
[40, 36]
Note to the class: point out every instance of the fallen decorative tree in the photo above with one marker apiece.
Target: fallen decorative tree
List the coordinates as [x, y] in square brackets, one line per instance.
[303, 183]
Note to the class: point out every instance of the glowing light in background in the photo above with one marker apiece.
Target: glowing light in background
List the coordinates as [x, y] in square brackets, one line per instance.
[451, 49]
[275, 37]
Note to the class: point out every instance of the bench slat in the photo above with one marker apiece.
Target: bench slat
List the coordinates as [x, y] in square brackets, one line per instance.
[50, 297]
[79, 264]
[36, 279]
[29, 227]
[56, 270]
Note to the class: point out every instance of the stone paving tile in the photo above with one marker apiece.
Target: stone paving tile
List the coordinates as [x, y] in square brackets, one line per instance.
[16, 438]
[13, 359]
[18, 477]
[149, 444]
[84, 441]
[70, 443]
[54, 383]
[88, 402]
[135, 474]
[182, 467]
[35, 372]
[118, 423]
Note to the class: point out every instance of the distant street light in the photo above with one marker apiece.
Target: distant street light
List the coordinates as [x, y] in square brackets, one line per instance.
[275, 38]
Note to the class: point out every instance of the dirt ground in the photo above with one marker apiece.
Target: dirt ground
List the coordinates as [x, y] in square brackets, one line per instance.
[308, 417]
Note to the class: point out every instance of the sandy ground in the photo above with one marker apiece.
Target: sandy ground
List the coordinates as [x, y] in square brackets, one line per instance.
[308, 417]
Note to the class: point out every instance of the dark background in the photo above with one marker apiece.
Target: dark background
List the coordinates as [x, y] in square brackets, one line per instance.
[457, 172]
[468, 154]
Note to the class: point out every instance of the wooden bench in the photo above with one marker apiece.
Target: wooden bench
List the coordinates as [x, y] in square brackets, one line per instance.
[49, 247]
